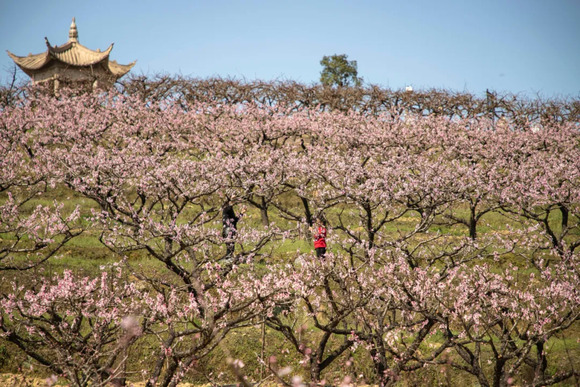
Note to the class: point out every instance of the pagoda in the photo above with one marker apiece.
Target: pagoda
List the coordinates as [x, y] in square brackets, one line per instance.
[72, 64]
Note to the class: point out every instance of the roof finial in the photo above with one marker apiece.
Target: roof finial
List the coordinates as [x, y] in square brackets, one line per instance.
[73, 34]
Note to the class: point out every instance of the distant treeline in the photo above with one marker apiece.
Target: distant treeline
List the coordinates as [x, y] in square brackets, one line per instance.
[368, 98]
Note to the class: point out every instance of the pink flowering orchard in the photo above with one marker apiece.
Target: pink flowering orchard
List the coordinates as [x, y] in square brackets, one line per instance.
[453, 243]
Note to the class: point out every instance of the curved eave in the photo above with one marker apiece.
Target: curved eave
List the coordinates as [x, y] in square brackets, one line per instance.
[119, 70]
[30, 62]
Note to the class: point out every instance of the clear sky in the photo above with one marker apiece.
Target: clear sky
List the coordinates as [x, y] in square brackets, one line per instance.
[530, 47]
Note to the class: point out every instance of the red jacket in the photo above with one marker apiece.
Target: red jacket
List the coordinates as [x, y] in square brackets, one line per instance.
[320, 238]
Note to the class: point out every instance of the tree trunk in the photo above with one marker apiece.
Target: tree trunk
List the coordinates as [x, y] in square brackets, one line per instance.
[565, 213]
[307, 212]
[264, 212]
[473, 224]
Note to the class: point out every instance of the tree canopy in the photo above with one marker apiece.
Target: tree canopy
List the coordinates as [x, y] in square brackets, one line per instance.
[339, 71]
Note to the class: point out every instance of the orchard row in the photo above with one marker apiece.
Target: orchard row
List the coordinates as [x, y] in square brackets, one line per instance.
[453, 244]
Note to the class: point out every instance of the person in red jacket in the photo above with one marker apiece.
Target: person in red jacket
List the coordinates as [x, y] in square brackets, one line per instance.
[319, 235]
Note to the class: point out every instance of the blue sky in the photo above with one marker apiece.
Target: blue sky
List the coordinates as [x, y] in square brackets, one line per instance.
[530, 47]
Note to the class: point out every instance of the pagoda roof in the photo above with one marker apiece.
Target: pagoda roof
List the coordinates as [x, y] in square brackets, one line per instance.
[71, 53]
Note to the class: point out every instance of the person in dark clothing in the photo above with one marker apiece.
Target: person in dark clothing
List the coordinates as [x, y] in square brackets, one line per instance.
[229, 230]
[319, 235]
